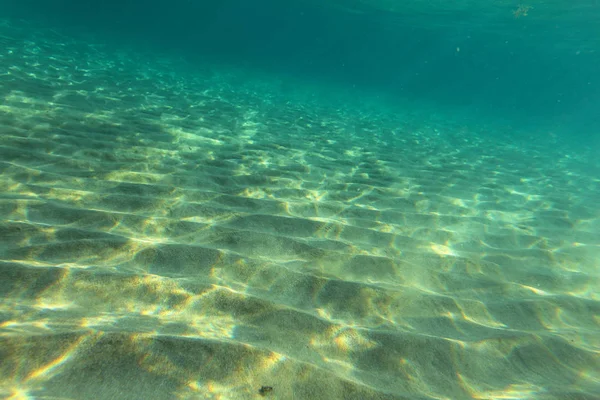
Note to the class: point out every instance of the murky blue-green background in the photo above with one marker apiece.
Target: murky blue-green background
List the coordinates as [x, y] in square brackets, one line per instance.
[537, 67]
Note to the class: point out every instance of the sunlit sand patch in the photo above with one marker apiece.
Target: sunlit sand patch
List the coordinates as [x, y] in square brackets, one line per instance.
[514, 391]
[209, 327]
[337, 347]
[254, 193]
[54, 304]
[99, 321]
[537, 291]
[54, 367]
[16, 327]
[348, 340]
[147, 178]
[442, 250]
[182, 136]
[477, 313]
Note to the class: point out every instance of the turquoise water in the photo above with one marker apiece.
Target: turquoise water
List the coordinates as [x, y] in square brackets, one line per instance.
[299, 200]
[531, 65]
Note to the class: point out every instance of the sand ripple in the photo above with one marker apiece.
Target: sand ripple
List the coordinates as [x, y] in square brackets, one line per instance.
[172, 236]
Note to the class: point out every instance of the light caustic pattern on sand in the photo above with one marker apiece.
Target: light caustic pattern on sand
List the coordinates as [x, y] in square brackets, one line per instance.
[178, 237]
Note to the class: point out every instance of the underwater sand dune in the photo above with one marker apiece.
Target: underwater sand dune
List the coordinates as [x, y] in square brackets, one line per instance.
[170, 236]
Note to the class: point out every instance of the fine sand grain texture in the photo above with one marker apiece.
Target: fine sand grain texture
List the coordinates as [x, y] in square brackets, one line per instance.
[170, 236]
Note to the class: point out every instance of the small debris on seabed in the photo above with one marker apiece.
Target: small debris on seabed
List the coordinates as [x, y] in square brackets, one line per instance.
[264, 390]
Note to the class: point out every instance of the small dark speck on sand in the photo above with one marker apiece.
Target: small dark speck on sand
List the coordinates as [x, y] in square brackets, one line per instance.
[265, 390]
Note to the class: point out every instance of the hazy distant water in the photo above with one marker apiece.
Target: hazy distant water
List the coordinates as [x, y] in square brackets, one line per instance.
[533, 64]
[295, 201]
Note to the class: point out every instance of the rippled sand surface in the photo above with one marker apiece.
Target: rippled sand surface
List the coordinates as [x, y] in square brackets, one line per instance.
[170, 237]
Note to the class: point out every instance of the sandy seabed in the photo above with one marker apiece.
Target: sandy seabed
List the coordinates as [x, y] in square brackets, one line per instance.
[166, 237]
